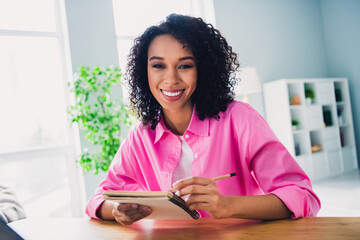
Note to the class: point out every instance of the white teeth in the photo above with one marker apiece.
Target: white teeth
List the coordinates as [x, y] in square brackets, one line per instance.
[172, 94]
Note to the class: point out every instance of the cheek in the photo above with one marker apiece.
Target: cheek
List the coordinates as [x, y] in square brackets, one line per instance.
[193, 80]
[152, 83]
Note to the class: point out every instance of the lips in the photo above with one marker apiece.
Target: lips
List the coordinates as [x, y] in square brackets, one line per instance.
[172, 95]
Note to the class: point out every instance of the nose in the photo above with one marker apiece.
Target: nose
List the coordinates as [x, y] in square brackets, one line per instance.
[171, 77]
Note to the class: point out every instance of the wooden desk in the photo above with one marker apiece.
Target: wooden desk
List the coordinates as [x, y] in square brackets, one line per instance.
[207, 228]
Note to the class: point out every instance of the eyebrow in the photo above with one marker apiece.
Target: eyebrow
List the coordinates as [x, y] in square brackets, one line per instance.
[181, 59]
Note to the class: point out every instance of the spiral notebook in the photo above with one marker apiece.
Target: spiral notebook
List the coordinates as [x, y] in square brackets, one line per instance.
[164, 205]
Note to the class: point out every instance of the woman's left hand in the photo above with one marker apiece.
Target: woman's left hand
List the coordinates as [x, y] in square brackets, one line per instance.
[204, 195]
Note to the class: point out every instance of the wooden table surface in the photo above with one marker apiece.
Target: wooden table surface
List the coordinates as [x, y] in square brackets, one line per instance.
[206, 228]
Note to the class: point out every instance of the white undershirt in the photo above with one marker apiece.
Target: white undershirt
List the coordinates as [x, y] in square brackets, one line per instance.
[183, 168]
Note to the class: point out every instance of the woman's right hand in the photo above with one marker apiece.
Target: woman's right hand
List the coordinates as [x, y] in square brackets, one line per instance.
[127, 213]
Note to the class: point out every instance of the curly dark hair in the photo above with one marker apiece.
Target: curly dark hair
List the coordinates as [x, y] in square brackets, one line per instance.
[215, 61]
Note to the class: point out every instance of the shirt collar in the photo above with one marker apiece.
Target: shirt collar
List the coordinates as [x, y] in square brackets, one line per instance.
[196, 126]
[160, 129]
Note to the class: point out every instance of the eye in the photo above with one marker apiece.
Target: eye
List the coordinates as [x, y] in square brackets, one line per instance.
[185, 66]
[158, 66]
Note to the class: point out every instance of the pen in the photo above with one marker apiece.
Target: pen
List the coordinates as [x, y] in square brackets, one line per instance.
[215, 179]
[224, 176]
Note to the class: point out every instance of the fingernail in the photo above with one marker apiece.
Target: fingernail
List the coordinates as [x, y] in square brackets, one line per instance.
[134, 206]
[147, 209]
[177, 193]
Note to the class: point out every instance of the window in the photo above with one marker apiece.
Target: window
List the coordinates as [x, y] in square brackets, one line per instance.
[37, 153]
[131, 21]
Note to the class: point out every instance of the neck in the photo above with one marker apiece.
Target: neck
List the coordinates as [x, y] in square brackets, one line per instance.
[177, 121]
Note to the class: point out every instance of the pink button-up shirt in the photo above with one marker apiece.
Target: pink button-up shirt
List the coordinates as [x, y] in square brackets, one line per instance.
[240, 141]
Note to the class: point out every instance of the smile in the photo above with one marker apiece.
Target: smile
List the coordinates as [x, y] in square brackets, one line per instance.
[172, 94]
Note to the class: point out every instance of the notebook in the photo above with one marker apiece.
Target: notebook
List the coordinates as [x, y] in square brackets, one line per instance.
[164, 205]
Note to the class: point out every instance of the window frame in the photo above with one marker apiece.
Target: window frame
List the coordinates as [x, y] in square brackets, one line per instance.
[71, 149]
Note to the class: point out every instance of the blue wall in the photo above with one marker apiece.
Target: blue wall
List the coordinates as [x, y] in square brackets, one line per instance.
[281, 38]
[296, 39]
[342, 34]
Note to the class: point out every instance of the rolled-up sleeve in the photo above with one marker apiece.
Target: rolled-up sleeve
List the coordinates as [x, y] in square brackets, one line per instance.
[277, 172]
[119, 177]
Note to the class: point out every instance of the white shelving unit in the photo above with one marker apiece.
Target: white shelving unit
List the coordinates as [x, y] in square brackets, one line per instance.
[323, 140]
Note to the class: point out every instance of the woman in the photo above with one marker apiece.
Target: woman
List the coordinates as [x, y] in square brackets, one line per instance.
[181, 76]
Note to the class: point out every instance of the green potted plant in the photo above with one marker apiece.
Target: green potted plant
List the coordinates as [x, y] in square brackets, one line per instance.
[295, 124]
[103, 117]
[309, 95]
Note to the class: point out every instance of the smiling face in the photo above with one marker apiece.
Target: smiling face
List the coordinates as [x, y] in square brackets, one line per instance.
[172, 74]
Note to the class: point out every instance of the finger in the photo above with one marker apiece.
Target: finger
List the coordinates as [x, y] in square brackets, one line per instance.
[145, 210]
[199, 199]
[118, 214]
[200, 206]
[122, 207]
[141, 209]
[121, 218]
[194, 189]
[191, 181]
[137, 216]
[126, 223]
[142, 212]
[127, 218]
[125, 210]
[123, 221]
[131, 212]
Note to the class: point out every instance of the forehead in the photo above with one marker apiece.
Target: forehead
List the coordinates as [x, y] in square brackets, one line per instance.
[167, 45]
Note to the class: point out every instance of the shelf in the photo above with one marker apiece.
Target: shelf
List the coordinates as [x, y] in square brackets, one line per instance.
[302, 156]
[299, 131]
[328, 115]
[349, 158]
[297, 119]
[340, 91]
[305, 163]
[296, 107]
[346, 136]
[310, 93]
[335, 166]
[296, 96]
[331, 139]
[325, 123]
[342, 113]
[344, 125]
[300, 143]
[348, 147]
[341, 103]
[317, 153]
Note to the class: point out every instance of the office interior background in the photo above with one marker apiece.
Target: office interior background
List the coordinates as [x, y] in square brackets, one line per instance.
[43, 42]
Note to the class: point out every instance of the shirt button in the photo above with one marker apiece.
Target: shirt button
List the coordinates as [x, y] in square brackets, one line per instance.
[196, 155]
[186, 136]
